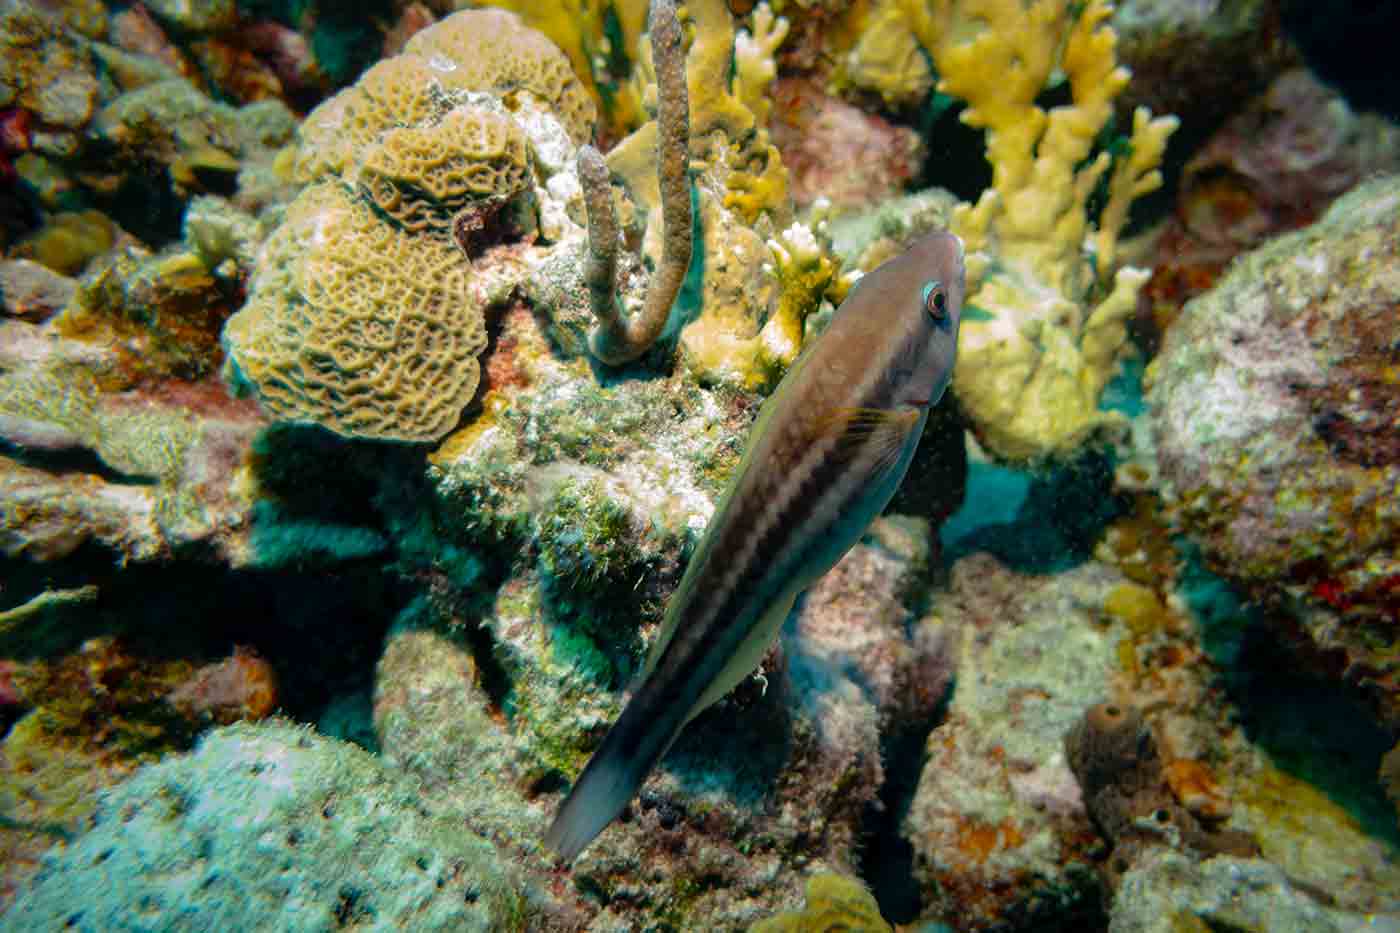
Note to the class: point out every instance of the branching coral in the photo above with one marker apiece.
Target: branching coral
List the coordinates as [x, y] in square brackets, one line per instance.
[618, 339]
[1030, 377]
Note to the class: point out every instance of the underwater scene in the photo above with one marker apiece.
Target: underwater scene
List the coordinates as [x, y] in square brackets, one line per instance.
[639, 465]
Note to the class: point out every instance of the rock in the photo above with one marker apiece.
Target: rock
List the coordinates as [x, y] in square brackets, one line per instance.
[1168, 892]
[997, 823]
[1199, 60]
[1274, 404]
[270, 828]
[32, 291]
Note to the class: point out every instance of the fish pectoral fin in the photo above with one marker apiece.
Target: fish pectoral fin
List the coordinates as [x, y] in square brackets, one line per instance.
[881, 431]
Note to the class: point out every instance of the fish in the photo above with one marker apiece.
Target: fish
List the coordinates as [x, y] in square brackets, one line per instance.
[825, 456]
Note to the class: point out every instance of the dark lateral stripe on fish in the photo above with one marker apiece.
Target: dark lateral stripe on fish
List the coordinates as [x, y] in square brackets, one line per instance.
[777, 542]
[823, 460]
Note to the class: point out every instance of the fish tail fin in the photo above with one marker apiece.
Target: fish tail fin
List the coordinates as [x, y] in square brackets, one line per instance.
[628, 753]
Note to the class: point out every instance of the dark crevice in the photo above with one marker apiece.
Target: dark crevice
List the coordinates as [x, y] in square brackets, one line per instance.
[886, 860]
[70, 460]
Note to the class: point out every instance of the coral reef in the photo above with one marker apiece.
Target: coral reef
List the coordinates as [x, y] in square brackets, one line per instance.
[569, 348]
[272, 828]
[422, 172]
[590, 531]
[618, 340]
[1273, 404]
[738, 325]
[1030, 376]
[359, 326]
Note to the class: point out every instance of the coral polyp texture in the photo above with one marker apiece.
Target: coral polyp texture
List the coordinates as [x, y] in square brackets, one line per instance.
[492, 50]
[366, 315]
[1030, 376]
[358, 326]
[422, 176]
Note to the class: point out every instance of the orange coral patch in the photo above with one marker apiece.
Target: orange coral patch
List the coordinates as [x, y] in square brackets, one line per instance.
[978, 840]
[1193, 784]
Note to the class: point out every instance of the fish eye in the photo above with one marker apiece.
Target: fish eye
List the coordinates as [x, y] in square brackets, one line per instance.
[936, 300]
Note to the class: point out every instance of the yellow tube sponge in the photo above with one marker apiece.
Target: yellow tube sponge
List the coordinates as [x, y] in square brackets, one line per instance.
[358, 326]
[1031, 371]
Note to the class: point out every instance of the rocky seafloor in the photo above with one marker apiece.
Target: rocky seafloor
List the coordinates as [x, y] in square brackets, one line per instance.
[358, 419]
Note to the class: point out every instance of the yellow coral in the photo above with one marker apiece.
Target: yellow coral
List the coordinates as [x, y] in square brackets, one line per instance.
[729, 77]
[422, 175]
[581, 30]
[1030, 377]
[886, 58]
[722, 346]
[834, 902]
[358, 326]
[399, 91]
[492, 50]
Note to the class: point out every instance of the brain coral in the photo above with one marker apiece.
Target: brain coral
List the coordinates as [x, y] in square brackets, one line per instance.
[360, 317]
[474, 50]
[422, 176]
[357, 325]
[399, 91]
[492, 50]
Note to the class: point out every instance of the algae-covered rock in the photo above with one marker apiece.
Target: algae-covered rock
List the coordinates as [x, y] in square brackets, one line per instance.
[994, 822]
[1274, 404]
[1168, 893]
[270, 828]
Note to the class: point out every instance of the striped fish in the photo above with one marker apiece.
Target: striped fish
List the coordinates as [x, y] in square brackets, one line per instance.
[824, 458]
